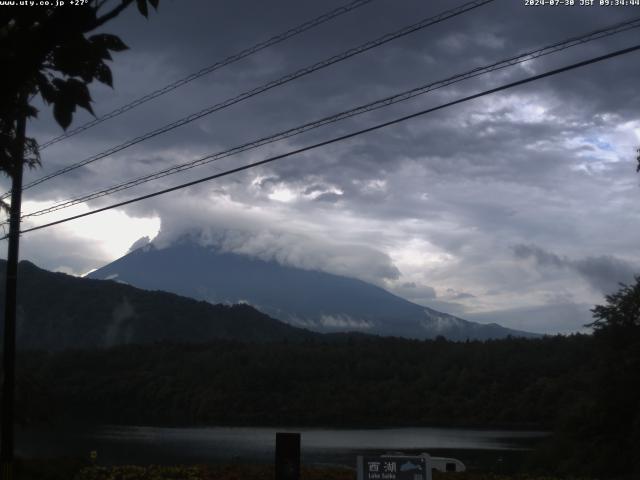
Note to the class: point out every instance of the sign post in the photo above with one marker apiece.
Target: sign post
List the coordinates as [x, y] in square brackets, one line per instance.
[287, 456]
[394, 467]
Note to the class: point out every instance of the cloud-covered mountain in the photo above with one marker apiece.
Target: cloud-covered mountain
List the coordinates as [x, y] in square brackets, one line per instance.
[305, 298]
[58, 311]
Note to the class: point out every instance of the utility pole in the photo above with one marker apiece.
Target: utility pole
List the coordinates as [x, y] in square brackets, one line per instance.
[11, 283]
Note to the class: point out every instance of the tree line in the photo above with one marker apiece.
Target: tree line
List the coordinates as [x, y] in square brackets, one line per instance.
[349, 381]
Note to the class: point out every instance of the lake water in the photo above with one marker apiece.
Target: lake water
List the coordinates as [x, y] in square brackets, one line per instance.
[131, 444]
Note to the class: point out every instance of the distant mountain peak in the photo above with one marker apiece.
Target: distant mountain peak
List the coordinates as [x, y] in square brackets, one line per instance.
[314, 299]
[140, 243]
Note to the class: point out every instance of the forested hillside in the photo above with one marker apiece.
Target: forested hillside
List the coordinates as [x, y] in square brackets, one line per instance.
[358, 381]
[58, 311]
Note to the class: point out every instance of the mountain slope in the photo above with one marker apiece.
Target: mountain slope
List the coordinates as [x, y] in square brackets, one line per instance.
[312, 299]
[57, 311]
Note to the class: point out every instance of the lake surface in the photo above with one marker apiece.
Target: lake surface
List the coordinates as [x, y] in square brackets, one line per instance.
[131, 444]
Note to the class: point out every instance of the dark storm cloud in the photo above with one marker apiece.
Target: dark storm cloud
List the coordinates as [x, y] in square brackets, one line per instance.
[447, 47]
[605, 273]
[541, 256]
[437, 202]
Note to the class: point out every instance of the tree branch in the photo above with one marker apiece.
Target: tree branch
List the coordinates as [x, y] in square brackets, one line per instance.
[112, 14]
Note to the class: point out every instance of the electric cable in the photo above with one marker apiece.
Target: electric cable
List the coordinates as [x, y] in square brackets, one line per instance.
[272, 84]
[342, 137]
[211, 68]
[399, 97]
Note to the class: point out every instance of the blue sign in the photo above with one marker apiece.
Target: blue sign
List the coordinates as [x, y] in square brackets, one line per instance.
[394, 467]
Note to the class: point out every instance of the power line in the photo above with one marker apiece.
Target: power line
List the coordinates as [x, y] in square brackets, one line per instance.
[342, 137]
[274, 83]
[211, 68]
[403, 96]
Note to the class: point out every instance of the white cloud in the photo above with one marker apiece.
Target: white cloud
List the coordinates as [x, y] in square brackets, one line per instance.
[87, 242]
[344, 321]
[271, 233]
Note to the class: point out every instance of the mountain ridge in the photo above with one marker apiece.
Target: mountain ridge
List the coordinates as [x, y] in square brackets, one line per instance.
[57, 311]
[312, 299]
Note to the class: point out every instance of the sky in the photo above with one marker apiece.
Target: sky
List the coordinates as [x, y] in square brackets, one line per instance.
[519, 207]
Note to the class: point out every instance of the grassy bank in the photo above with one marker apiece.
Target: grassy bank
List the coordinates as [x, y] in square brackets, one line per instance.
[258, 473]
[70, 469]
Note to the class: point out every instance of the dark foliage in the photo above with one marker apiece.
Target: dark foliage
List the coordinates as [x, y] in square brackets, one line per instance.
[622, 310]
[48, 51]
[345, 381]
[602, 435]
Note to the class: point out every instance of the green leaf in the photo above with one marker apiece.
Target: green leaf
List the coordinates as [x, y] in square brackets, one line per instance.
[70, 92]
[78, 93]
[62, 112]
[142, 7]
[103, 74]
[47, 91]
[59, 83]
[111, 42]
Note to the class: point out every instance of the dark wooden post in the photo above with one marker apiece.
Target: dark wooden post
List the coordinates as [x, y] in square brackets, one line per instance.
[11, 282]
[287, 456]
